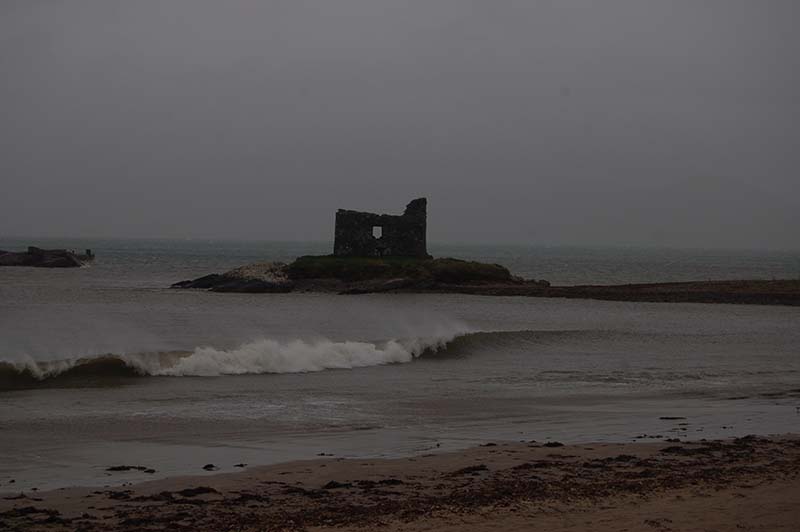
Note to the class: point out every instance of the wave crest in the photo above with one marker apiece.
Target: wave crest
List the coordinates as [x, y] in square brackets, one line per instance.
[298, 356]
[261, 356]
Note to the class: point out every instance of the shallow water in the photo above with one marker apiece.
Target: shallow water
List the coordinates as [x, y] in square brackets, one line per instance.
[193, 377]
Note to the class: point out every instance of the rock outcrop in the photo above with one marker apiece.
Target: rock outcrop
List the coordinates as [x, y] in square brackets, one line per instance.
[45, 258]
[353, 275]
[259, 278]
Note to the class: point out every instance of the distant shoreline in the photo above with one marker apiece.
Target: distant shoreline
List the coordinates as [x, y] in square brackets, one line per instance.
[749, 292]
[501, 486]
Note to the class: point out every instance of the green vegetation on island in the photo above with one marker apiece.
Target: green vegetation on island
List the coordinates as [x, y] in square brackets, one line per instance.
[351, 269]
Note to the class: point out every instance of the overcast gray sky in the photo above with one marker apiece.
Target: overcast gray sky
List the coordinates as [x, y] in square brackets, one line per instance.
[662, 122]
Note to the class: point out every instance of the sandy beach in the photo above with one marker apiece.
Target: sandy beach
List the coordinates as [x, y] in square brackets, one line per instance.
[748, 483]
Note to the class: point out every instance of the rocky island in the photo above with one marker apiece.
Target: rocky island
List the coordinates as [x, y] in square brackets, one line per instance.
[359, 275]
[371, 253]
[388, 253]
[45, 258]
[363, 276]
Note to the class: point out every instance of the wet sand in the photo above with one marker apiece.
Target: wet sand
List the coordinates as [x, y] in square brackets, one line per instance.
[749, 483]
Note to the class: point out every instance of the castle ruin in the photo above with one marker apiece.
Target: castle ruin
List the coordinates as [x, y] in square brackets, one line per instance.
[365, 234]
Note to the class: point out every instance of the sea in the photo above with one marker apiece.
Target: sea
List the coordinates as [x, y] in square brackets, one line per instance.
[106, 365]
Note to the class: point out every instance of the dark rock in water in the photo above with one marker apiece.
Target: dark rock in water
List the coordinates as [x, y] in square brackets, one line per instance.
[381, 285]
[205, 282]
[45, 258]
[261, 278]
[210, 467]
[433, 272]
[254, 286]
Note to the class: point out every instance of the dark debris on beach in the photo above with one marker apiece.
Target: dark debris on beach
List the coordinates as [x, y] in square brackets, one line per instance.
[276, 505]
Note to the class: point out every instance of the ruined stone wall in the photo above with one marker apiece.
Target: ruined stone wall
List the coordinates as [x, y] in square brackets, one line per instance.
[403, 236]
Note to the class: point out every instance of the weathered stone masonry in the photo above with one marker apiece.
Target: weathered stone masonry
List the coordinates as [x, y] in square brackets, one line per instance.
[401, 236]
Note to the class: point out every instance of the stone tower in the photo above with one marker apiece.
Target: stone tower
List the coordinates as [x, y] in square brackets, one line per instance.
[366, 234]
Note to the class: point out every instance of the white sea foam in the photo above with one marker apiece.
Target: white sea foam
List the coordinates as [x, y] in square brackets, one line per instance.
[260, 356]
[270, 356]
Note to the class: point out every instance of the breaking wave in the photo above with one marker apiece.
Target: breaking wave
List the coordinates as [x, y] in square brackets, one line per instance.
[271, 356]
[261, 356]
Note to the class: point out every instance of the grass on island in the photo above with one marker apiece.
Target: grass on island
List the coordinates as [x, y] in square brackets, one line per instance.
[449, 271]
